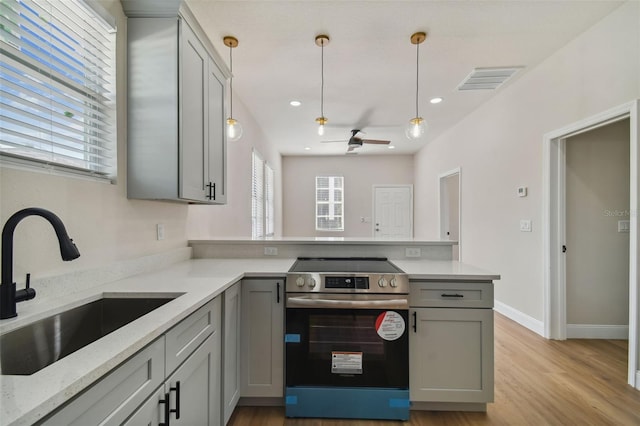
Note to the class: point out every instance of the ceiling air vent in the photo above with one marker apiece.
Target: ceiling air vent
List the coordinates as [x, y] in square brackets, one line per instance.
[487, 78]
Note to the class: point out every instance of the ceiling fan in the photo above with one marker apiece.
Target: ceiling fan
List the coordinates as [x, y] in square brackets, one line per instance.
[356, 142]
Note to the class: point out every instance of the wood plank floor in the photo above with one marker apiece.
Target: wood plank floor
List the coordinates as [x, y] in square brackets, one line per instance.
[537, 382]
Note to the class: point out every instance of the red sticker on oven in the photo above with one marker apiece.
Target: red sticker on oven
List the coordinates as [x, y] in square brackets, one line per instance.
[390, 325]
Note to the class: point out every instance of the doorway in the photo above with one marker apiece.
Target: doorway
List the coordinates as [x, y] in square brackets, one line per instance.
[449, 199]
[392, 212]
[597, 232]
[554, 234]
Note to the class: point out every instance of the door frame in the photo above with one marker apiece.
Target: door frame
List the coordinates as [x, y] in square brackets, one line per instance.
[443, 218]
[554, 229]
[373, 205]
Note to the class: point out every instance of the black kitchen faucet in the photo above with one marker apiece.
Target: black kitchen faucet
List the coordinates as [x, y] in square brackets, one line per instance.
[9, 296]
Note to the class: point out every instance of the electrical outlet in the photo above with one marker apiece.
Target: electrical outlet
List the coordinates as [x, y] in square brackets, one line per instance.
[412, 252]
[160, 231]
[525, 225]
[271, 251]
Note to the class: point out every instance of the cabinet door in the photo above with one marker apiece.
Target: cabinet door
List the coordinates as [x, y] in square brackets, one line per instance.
[451, 355]
[262, 338]
[231, 355]
[193, 151]
[194, 389]
[217, 142]
[151, 413]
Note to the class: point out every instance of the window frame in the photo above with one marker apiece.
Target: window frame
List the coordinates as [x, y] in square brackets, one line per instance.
[332, 202]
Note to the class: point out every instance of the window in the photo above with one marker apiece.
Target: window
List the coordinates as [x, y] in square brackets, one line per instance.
[329, 203]
[262, 190]
[269, 206]
[257, 196]
[57, 86]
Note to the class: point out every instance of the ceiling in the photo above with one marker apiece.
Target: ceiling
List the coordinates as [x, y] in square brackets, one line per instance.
[370, 63]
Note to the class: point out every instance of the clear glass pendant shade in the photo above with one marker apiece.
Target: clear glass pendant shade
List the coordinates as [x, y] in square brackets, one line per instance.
[234, 129]
[416, 128]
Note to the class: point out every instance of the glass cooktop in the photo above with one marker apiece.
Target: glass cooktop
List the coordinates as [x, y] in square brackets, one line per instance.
[366, 265]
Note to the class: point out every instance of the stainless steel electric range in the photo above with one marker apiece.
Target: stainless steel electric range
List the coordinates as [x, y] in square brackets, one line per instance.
[347, 350]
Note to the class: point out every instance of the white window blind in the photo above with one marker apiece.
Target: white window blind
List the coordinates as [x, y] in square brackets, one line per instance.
[57, 91]
[257, 196]
[269, 206]
[329, 203]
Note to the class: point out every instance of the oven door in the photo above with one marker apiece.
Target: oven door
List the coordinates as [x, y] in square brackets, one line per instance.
[347, 341]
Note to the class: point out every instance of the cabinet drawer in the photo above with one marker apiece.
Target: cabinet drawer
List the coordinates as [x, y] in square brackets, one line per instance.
[185, 337]
[111, 400]
[444, 294]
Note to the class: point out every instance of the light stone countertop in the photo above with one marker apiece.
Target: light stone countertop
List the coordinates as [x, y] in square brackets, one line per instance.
[26, 399]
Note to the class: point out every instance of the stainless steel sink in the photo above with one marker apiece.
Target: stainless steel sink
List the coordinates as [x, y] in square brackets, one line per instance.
[29, 349]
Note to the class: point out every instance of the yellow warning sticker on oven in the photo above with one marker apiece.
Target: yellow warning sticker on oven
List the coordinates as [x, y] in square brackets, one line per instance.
[346, 362]
[390, 325]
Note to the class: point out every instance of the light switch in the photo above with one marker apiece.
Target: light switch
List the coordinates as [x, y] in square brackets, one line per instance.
[160, 231]
[623, 226]
[525, 225]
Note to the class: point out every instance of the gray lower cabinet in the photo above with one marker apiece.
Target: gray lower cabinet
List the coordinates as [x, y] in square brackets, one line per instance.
[181, 368]
[231, 351]
[191, 392]
[262, 341]
[451, 343]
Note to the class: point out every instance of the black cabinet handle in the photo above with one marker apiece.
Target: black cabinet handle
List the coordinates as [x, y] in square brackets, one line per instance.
[167, 411]
[278, 292]
[415, 322]
[452, 295]
[212, 191]
[176, 389]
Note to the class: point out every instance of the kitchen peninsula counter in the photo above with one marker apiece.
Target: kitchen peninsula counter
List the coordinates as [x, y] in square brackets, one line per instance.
[26, 399]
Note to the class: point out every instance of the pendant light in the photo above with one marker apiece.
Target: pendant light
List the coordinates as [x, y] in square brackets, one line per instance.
[416, 126]
[322, 41]
[234, 129]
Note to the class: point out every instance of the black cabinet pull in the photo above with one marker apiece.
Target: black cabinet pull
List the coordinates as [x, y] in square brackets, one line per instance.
[415, 322]
[452, 295]
[212, 191]
[167, 411]
[278, 292]
[176, 388]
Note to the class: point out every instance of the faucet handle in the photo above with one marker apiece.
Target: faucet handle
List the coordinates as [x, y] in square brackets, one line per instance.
[28, 293]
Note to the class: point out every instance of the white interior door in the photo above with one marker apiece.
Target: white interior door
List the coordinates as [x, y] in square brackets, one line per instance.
[393, 212]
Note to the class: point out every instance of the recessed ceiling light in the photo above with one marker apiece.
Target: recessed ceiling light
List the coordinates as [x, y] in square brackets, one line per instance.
[307, 148]
[391, 147]
[436, 100]
[295, 103]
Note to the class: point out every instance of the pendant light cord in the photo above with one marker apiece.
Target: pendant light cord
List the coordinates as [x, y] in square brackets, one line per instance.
[231, 82]
[417, 73]
[322, 80]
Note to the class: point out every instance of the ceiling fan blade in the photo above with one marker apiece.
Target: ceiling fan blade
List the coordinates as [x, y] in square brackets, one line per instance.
[335, 141]
[376, 141]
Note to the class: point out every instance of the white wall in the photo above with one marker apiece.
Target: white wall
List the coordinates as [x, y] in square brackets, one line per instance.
[234, 218]
[360, 174]
[597, 197]
[499, 147]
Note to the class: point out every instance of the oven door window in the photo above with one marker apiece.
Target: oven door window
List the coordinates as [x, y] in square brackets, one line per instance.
[346, 347]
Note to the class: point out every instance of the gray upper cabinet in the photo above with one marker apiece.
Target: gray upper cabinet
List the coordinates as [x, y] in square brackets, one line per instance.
[176, 145]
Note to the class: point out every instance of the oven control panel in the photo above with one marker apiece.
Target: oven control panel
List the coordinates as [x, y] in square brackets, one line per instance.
[347, 283]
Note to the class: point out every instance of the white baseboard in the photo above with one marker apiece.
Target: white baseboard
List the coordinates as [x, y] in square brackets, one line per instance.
[597, 331]
[638, 379]
[521, 318]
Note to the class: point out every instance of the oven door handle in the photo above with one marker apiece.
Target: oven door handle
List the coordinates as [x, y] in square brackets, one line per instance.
[302, 302]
